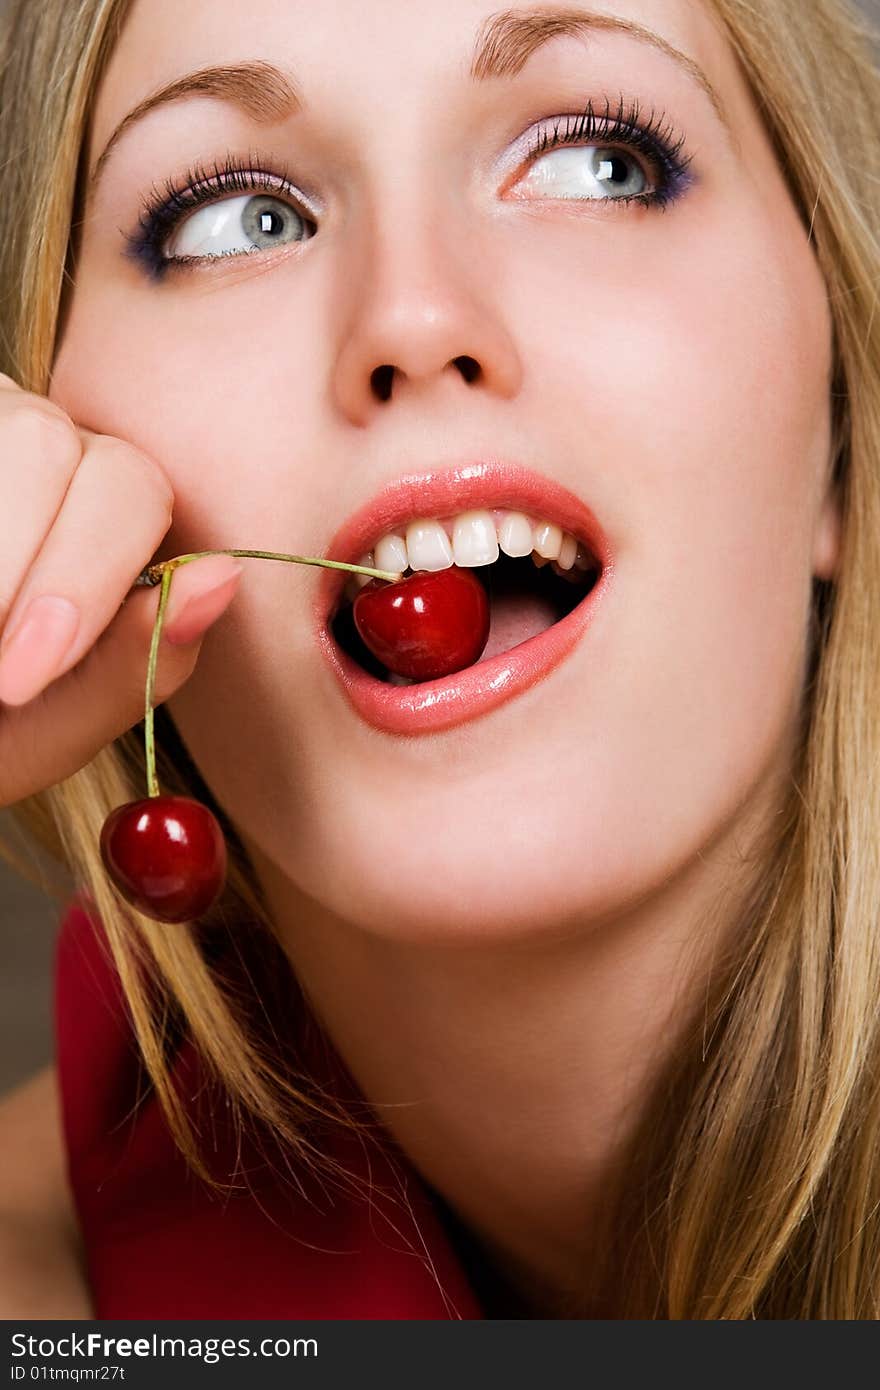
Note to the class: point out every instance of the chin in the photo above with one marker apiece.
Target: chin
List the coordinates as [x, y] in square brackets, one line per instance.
[466, 885]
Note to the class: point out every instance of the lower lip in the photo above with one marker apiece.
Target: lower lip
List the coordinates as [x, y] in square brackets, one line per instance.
[431, 706]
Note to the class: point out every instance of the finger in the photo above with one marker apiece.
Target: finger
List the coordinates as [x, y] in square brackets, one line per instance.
[53, 736]
[114, 515]
[40, 450]
[30, 663]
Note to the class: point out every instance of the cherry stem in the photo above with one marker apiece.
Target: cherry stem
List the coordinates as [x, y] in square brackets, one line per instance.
[153, 573]
[149, 741]
[162, 573]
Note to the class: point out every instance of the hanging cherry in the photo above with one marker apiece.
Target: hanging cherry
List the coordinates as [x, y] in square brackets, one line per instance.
[166, 854]
[430, 624]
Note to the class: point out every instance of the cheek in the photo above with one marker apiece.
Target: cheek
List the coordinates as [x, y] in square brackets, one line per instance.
[215, 385]
[688, 367]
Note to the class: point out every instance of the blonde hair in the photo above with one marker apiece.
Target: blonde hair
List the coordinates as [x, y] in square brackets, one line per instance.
[753, 1187]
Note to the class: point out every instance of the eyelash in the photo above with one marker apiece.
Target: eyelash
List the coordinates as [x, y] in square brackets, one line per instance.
[656, 141]
[164, 208]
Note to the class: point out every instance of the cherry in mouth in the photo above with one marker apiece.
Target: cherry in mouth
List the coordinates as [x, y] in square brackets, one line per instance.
[429, 624]
[522, 601]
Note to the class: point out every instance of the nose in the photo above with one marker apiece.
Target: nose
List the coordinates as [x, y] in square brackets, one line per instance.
[420, 317]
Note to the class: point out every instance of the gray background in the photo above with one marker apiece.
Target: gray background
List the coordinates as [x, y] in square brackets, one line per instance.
[28, 921]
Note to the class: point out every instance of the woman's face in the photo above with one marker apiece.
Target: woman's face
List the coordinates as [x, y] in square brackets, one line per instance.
[670, 366]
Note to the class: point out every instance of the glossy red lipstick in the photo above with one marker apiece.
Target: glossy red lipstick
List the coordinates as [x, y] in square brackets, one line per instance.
[431, 706]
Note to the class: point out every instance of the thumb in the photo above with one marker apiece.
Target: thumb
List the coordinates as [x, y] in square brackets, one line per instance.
[200, 592]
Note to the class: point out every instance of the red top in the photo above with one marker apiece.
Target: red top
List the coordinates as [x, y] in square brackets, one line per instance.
[160, 1244]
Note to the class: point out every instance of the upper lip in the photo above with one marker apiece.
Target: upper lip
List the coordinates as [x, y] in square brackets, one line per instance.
[457, 487]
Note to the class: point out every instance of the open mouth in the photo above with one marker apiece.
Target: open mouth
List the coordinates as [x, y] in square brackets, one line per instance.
[539, 551]
[527, 595]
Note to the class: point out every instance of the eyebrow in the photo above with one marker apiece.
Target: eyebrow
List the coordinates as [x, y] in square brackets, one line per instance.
[510, 38]
[504, 45]
[263, 91]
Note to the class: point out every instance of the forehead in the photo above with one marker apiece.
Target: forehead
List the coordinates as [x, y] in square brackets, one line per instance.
[389, 44]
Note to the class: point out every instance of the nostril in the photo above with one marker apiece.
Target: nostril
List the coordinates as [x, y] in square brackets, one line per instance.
[380, 380]
[469, 369]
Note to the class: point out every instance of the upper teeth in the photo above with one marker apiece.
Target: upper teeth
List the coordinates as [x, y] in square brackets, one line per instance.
[470, 539]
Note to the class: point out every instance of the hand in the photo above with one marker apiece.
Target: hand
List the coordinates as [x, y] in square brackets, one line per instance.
[84, 514]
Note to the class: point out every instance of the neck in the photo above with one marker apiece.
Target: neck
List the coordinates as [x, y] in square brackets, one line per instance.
[513, 1075]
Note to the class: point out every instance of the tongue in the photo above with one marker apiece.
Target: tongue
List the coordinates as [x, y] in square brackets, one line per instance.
[515, 618]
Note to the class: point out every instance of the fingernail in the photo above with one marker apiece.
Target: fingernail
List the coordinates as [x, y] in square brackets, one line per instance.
[33, 651]
[199, 612]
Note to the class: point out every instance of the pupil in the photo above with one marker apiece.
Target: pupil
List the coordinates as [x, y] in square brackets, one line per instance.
[613, 169]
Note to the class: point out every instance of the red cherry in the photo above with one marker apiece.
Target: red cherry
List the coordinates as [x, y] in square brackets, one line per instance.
[430, 624]
[166, 855]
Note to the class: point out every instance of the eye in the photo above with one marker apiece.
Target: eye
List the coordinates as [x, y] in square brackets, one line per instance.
[235, 208]
[236, 226]
[594, 171]
[607, 157]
